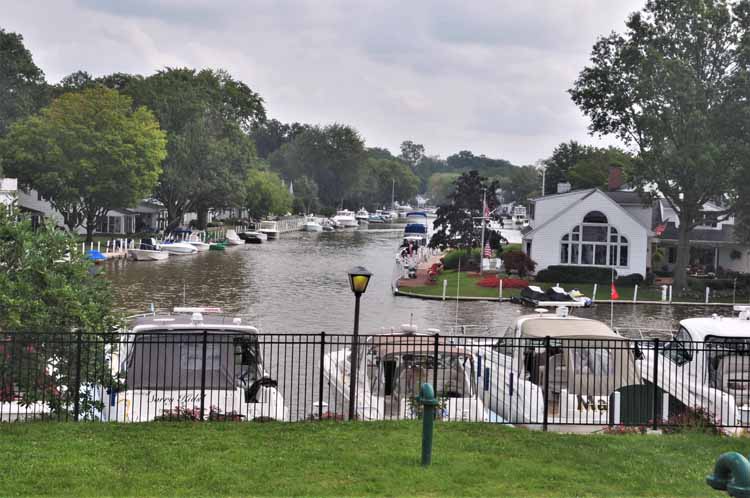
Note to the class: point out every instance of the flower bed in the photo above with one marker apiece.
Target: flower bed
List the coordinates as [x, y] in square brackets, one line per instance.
[508, 283]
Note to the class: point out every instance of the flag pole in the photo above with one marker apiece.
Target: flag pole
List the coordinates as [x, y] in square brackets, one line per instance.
[612, 301]
[484, 215]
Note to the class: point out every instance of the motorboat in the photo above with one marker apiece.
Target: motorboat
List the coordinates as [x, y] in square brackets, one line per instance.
[176, 247]
[706, 366]
[253, 237]
[233, 239]
[196, 240]
[148, 250]
[311, 225]
[533, 295]
[345, 219]
[270, 228]
[416, 217]
[328, 225]
[376, 218]
[393, 366]
[172, 365]
[362, 216]
[579, 370]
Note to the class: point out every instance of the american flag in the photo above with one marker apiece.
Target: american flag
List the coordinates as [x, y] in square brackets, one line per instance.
[487, 250]
[486, 211]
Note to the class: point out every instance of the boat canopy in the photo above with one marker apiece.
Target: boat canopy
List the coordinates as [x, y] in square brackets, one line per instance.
[565, 328]
[701, 328]
[415, 228]
[389, 345]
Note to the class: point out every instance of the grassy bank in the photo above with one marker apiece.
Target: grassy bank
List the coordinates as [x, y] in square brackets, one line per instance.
[466, 285]
[170, 459]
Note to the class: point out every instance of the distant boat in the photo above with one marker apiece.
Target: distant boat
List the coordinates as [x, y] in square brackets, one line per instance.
[233, 239]
[178, 248]
[270, 228]
[192, 238]
[311, 225]
[148, 250]
[253, 237]
[362, 216]
[376, 218]
[345, 219]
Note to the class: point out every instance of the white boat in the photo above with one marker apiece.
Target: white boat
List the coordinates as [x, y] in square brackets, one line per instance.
[177, 248]
[233, 239]
[270, 228]
[172, 364]
[345, 219]
[362, 216]
[148, 250]
[196, 240]
[392, 368]
[570, 365]
[311, 225]
[706, 366]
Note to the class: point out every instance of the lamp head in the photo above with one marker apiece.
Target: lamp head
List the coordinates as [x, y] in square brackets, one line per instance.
[359, 277]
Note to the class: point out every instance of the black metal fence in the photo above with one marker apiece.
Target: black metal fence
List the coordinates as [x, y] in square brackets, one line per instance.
[216, 375]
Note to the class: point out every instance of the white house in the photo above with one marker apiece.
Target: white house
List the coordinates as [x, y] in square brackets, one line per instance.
[8, 190]
[591, 228]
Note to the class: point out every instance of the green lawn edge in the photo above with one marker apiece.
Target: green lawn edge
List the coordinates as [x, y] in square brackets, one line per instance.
[334, 458]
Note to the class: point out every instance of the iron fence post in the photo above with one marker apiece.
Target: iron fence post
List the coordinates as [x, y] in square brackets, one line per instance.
[320, 375]
[203, 374]
[546, 381]
[435, 371]
[655, 421]
[77, 380]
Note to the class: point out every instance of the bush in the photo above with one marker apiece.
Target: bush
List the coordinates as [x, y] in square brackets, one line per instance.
[519, 262]
[629, 280]
[493, 282]
[575, 274]
[469, 259]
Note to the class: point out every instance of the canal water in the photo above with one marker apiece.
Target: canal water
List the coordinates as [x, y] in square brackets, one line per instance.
[298, 284]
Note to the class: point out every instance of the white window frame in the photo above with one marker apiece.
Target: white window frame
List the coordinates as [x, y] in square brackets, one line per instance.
[614, 241]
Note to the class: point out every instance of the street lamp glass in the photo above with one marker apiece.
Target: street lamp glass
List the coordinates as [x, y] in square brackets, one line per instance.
[359, 277]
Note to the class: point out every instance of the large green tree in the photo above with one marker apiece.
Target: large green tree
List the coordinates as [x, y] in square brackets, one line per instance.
[386, 179]
[23, 90]
[207, 116]
[411, 153]
[333, 156]
[265, 194]
[669, 87]
[87, 153]
[564, 157]
[458, 220]
[593, 169]
[520, 184]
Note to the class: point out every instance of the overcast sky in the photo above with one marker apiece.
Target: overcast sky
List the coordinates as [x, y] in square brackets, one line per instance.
[487, 76]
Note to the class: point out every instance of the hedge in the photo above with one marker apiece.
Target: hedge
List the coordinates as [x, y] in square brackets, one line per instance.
[469, 259]
[574, 274]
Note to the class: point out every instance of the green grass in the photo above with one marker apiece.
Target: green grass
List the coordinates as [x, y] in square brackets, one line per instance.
[469, 288]
[369, 458]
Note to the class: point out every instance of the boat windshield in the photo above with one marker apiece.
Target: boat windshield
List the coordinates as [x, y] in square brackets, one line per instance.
[454, 374]
[175, 361]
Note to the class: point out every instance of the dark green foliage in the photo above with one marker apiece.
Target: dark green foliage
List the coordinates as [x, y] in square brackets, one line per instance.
[469, 259]
[564, 158]
[629, 280]
[575, 274]
[518, 262]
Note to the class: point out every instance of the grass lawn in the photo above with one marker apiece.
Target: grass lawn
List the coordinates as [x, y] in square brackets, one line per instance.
[469, 288]
[191, 459]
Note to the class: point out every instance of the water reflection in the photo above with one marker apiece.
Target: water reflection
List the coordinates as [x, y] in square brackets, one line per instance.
[299, 284]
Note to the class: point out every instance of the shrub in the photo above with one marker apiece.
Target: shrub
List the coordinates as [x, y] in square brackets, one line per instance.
[629, 280]
[519, 262]
[493, 281]
[575, 274]
[469, 259]
[693, 420]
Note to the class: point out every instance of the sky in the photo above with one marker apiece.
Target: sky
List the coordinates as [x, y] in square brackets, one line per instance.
[486, 76]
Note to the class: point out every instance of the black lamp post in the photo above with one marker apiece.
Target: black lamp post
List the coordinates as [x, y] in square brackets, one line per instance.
[359, 277]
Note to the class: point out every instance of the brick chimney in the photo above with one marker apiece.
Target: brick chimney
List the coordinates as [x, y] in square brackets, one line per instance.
[616, 179]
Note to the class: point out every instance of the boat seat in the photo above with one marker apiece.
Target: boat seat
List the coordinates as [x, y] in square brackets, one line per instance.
[559, 374]
[733, 376]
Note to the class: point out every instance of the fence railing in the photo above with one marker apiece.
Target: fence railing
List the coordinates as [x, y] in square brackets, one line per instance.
[218, 375]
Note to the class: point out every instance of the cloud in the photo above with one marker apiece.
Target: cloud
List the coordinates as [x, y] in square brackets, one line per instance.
[485, 76]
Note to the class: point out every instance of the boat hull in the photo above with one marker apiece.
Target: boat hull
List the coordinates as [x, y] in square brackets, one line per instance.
[179, 248]
[147, 255]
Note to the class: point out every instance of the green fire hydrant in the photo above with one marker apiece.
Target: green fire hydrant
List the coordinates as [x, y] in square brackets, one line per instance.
[731, 474]
[429, 402]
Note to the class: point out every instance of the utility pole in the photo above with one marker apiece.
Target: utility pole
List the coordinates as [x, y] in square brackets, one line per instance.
[484, 219]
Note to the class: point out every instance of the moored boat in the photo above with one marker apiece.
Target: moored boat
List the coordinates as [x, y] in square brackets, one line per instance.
[233, 239]
[345, 219]
[311, 225]
[148, 250]
[270, 228]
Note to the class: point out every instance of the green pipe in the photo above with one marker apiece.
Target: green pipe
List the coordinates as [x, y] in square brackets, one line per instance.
[429, 402]
[731, 473]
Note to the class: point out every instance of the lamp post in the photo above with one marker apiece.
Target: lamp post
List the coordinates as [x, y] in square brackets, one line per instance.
[359, 277]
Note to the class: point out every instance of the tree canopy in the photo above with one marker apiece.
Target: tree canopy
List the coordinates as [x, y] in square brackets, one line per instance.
[23, 90]
[87, 153]
[265, 194]
[673, 86]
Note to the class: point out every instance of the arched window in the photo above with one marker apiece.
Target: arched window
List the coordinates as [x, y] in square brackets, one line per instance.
[594, 242]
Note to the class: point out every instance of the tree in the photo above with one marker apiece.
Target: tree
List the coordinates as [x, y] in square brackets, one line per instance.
[332, 156]
[22, 84]
[564, 157]
[87, 153]
[593, 169]
[382, 179]
[270, 135]
[265, 194]
[206, 115]
[519, 262]
[43, 300]
[668, 86]
[440, 186]
[411, 153]
[521, 184]
[458, 219]
[306, 194]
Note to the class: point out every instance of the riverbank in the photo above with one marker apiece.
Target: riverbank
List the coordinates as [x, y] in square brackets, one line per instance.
[334, 458]
[464, 286]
